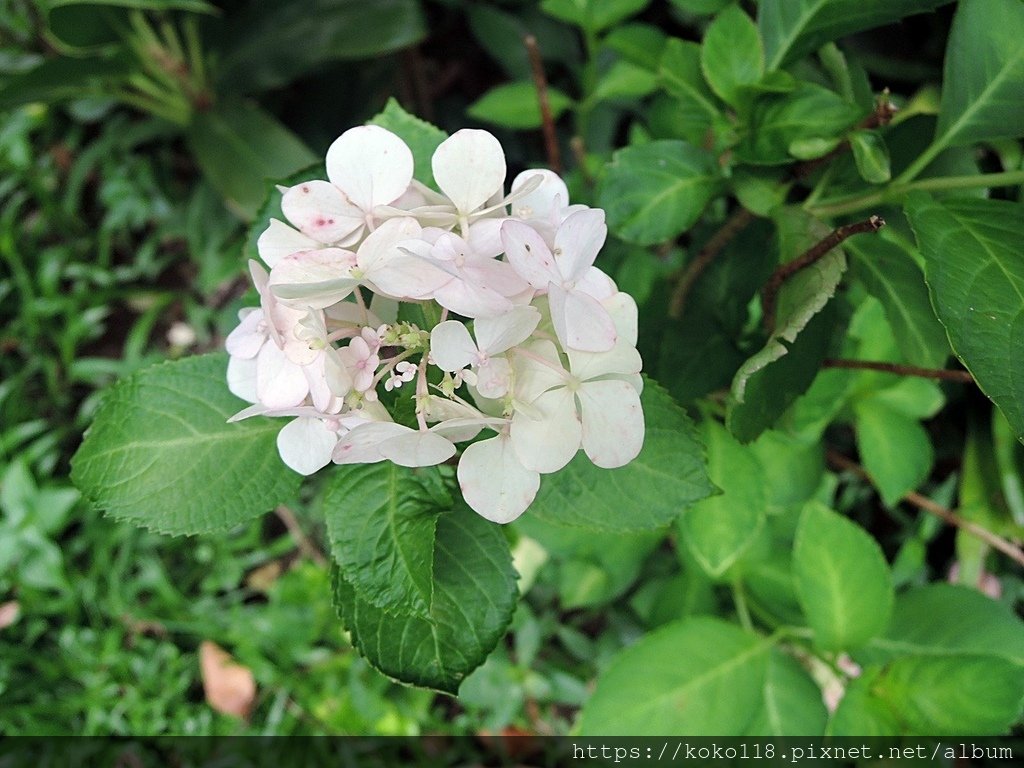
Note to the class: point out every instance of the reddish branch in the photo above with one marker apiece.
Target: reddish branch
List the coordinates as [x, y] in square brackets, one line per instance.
[770, 293]
[839, 461]
[547, 120]
[903, 370]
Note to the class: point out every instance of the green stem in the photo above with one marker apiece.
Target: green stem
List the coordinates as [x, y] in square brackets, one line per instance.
[739, 599]
[841, 206]
[923, 160]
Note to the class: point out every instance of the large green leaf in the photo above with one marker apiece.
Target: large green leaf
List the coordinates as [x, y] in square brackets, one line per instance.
[474, 596]
[974, 264]
[421, 137]
[984, 69]
[942, 619]
[894, 447]
[768, 382]
[62, 78]
[270, 45]
[794, 28]
[893, 277]
[239, 147]
[593, 15]
[91, 23]
[731, 54]
[381, 519]
[515, 105]
[667, 477]
[696, 676]
[842, 579]
[161, 454]
[791, 701]
[656, 191]
[719, 529]
[694, 106]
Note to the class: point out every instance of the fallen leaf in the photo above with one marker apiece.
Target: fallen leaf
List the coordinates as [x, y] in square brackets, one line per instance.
[9, 613]
[230, 688]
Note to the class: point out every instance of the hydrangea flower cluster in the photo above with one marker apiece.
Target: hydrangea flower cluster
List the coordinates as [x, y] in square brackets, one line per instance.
[534, 351]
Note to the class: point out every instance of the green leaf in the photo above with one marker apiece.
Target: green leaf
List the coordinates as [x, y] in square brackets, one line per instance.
[871, 156]
[648, 493]
[700, 7]
[421, 137]
[515, 105]
[895, 449]
[269, 46]
[793, 28]
[984, 69]
[657, 191]
[698, 675]
[861, 712]
[681, 75]
[161, 454]
[62, 78]
[810, 119]
[92, 23]
[791, 701]
[842, 579]
[892, 276]
[640, 44]
[238, 146]
[381, 519]
[719, 529]
[793, 469]
[973, 264]
[624, 80]
[593, 15]
[769, 381]
[945, 619]
[474, 596]
[731, 55]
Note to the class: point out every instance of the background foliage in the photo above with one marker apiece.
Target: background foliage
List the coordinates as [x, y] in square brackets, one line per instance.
[819, 591]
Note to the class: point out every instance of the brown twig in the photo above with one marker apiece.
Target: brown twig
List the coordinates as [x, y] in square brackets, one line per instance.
[771, 289]
[1015, 553]
[902, 370]
[302, 541]
[579, 152]
[685, 280]
[413, 65]
[882, 115]
[547, 121]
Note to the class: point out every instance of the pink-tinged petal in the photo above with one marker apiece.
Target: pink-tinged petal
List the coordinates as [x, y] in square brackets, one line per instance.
[542, 201]
[280, 383]
[382, 243]
[407, 277]
[497, 275]
[338, 379]
[548, 443]
[306, 444]
[247, 338]
[371, 165]
[459, 430]
[362, 444]
[319, 209]
[493, 377]
[279, 240]
[613, 422]
[621, 360]
[469, 167]
[320, 392]
[242, 378]
[497, 334]
[494, 483]
[597, 284]
[537, 369]
[580, 321]
[485, 236]
[527, 252]
[417, 449]
[622, 308]
[470, 299]
[578, 241]
[315, 279]
[451, 346]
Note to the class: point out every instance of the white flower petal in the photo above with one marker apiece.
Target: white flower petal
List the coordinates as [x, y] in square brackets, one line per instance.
[279, 240]
[493, 377]
[541, 202]
[613, 422]
[548, 443]
[494, 483]
[306, 444]
[529, 254]
[280, 383]
[580, 321]
[371, 165]
[315, 279]
[621, 360]
[319, 209]
[597, 284]
[361, 444]
[622, 308]
[247, 338]
[417, 448]
[242, 378]
[471, 299]
[451, 346]
[578, 241]
[497, 334]
[533, 375]
[469, 167]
